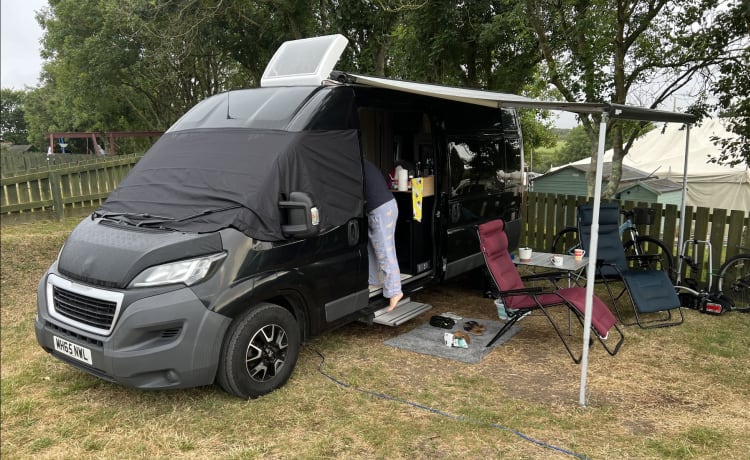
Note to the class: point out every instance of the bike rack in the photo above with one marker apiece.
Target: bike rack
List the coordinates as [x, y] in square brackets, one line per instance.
[704, 299]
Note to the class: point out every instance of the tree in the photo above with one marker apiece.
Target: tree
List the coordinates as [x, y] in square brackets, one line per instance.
[613, 51]
[12, 123]
[480, 44]
[730, 35]
[140, 64]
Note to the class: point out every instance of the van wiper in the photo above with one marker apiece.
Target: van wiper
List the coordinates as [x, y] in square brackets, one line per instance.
[210, 211]
[161, 220]
[145, 219]
[128, 217]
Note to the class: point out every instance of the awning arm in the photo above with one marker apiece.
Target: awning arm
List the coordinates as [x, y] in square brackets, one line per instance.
[629, 112]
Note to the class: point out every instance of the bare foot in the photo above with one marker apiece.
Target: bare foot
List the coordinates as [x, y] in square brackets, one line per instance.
[394, 301]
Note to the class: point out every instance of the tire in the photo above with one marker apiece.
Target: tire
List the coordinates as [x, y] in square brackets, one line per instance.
[659, 256]
[259, 352]
[734, 281]
[565, 241]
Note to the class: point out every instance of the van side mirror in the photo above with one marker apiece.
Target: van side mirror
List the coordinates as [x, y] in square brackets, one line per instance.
[300, 216]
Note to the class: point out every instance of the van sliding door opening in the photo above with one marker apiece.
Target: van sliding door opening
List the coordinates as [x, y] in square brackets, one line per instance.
[391, 139]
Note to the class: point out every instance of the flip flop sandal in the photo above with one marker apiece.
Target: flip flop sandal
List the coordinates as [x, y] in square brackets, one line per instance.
[474, 328]
[462, 335]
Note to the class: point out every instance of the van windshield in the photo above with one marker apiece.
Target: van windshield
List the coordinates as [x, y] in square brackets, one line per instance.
[259, 108]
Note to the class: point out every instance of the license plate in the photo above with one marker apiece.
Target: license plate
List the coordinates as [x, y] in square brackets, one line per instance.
[77, 352]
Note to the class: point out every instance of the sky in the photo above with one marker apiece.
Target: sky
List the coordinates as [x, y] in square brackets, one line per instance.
[20, 63]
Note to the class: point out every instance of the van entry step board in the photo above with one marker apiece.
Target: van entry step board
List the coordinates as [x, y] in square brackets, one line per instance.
[404, 311]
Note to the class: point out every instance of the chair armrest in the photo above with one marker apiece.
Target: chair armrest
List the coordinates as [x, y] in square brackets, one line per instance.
[525, 291]
[549, 276]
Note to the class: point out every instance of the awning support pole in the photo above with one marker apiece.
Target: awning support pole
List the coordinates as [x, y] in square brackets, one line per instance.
[683, 200]
[591, 269]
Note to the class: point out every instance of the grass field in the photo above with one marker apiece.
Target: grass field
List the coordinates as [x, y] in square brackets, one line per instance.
[679, 392]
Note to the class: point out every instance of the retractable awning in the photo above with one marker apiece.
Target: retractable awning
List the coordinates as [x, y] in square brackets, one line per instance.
[496, 100]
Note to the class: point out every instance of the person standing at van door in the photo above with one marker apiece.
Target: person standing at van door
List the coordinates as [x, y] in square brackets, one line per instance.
[382, 213]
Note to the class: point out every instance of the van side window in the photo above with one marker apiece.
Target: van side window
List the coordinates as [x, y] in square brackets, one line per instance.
[481, 164]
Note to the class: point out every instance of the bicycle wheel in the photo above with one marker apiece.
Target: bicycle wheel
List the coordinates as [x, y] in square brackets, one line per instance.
[734, 281]
[654, 255]
[565, 241]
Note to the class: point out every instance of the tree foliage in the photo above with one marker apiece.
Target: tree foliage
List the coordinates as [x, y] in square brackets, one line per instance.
[730, 33]
[140, 64]
[620, 51]
[114, 65]
[12, 122]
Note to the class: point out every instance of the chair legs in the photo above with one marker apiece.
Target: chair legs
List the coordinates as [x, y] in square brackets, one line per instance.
[513, 317]
[644, 320]
[577, 359]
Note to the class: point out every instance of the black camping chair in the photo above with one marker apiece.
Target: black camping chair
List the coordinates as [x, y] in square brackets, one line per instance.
[520, 300]
[652, 294]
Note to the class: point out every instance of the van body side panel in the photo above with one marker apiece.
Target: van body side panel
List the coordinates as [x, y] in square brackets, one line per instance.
[322, 269]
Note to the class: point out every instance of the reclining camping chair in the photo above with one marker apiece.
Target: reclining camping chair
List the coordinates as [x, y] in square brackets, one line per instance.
[653, 296]
[520, 300]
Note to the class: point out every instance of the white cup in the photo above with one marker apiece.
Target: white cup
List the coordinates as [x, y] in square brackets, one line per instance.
[557, 260]
[579, 253]
[524, 254]
[403, 180]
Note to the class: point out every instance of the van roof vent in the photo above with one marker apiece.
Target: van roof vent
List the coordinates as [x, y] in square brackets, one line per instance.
[304, 62]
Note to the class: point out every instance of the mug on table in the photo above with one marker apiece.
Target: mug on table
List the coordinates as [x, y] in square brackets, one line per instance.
[557, 260]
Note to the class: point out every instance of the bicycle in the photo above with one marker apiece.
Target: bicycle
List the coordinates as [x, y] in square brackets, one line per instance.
[734, 281]
[641, 251]
[733, 286]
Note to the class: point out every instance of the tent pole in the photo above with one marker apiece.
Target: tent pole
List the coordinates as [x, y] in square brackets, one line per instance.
[591, 269]
[680, 236]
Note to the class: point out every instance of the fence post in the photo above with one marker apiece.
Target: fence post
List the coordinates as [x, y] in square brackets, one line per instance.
[57, 199]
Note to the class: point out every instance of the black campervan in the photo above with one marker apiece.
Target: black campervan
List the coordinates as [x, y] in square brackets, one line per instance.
[242, 232]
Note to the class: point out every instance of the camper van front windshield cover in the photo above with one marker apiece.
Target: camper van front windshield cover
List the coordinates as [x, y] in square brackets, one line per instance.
[260, 108]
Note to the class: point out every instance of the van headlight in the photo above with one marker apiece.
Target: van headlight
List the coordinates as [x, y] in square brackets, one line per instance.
[188, 271]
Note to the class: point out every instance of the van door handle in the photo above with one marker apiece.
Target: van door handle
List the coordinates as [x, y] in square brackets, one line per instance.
[353, 232]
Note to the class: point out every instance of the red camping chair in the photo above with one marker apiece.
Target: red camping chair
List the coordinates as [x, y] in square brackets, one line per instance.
[520, 300]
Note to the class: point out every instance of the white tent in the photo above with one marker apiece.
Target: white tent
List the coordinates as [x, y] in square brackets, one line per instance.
[661, 152]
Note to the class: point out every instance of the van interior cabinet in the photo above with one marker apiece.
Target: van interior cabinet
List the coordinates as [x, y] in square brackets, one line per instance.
[413, 239]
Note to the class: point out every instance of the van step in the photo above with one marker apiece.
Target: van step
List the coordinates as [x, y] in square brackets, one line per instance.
[404, 311]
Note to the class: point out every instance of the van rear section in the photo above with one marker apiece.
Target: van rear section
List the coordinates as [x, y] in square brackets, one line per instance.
[242, 232]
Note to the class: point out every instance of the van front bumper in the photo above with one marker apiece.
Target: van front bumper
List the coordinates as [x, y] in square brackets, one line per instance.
[169, 340]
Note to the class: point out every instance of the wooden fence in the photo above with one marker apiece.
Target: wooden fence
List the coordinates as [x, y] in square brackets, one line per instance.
[544, 215]
[14, 163]
[57, 190]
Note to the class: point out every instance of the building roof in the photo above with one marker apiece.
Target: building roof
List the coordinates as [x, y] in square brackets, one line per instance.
[20, 148]
[657, 186]
[628, 174]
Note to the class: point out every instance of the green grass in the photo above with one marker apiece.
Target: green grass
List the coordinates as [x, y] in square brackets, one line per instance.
[677, 392]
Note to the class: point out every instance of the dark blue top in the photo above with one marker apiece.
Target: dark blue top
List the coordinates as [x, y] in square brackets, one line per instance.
[376, 189]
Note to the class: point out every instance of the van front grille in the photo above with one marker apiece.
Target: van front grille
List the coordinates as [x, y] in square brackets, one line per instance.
[86, 310]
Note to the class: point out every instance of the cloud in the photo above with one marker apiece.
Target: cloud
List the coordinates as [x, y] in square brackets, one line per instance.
[20, 35]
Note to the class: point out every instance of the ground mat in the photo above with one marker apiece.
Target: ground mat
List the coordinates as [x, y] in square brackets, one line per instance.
[428, 340]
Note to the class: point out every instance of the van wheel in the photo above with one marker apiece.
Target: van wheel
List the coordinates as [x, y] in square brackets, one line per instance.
[259, 351]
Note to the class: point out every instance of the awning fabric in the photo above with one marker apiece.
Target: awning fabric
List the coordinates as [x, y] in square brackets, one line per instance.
[495, 99]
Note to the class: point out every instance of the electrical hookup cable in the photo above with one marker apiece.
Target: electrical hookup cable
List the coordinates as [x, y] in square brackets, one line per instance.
[439, 412]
